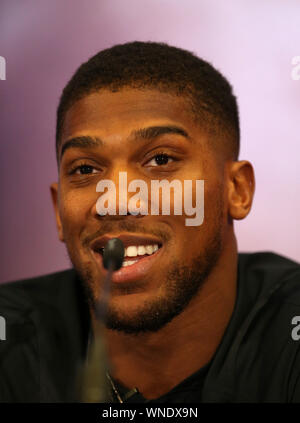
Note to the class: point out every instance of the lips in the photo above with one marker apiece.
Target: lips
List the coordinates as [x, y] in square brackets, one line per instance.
[128, 240]
[141, 253]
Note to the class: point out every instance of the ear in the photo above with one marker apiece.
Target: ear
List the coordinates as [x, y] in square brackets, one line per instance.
[241, 189]
[54, 196]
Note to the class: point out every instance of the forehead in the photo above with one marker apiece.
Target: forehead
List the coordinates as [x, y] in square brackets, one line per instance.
[120, 112]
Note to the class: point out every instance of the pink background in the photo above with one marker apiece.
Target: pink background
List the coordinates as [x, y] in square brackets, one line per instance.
[44, 41]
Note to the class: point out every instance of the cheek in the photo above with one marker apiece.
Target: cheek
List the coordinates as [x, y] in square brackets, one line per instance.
[74, 209]
[198, 237]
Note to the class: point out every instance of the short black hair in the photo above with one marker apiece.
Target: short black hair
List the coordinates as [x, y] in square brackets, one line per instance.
[169, 69]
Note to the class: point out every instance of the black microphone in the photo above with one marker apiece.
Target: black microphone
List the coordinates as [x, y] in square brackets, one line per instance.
[95, 384]
[113, 254]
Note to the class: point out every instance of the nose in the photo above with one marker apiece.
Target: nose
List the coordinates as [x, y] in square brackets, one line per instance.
[115, 196]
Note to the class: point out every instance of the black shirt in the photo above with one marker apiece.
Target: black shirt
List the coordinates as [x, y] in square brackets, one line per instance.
[188, 391]
[257, 359]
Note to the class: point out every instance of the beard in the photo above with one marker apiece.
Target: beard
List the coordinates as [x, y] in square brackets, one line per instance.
[182, 283]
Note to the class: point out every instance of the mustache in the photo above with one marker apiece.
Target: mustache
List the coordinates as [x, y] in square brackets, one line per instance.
[125, 226]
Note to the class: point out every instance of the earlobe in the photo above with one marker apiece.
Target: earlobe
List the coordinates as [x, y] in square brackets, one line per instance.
[241, 189]
[54, 196]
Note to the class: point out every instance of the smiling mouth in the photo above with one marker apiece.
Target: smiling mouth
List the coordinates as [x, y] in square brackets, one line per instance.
[140, 254]
[135, 253]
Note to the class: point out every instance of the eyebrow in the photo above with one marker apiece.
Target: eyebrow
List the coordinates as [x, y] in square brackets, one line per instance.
[155, 131]
[84, 141]
[148, 133]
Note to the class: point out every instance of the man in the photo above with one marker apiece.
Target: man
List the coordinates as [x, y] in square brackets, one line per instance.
[188, 318]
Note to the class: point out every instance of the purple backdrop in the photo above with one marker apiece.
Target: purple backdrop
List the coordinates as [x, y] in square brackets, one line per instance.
[251, 42]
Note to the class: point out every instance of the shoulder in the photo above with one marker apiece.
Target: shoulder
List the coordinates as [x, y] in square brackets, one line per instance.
[45, 336]
[269, 274]
[267, 258]
[45, 302]
[266, 351]
[45, 280]
[35, 302]
[266, 263]
[25, 293]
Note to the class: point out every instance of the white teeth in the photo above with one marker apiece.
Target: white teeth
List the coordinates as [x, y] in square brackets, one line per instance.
[131, 251]
[129, 262]
[140, 250]
[149, 249]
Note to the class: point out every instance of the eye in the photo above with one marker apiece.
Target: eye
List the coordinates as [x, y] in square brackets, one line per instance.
[160, 160]
[83, 169]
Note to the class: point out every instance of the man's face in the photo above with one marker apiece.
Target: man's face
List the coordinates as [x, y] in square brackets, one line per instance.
[147, 294]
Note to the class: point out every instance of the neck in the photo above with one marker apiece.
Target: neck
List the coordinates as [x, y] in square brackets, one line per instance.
[156, 362]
